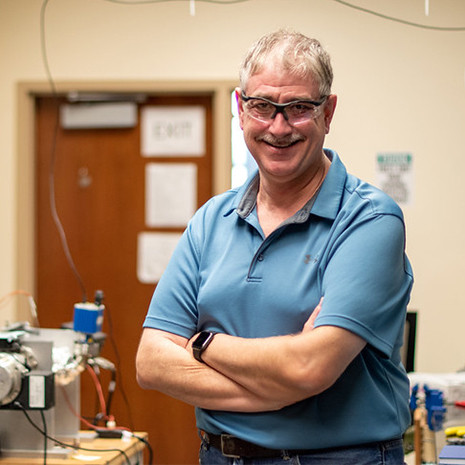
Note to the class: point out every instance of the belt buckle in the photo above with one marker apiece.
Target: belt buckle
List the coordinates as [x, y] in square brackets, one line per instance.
[224, 447]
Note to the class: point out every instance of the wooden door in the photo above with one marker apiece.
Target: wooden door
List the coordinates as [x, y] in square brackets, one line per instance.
[99, 194]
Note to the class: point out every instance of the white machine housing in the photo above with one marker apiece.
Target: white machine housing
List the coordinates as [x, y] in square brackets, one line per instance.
[54, 351]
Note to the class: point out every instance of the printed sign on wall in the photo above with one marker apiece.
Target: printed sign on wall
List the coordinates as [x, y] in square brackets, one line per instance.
[394, 175]
[173, 131]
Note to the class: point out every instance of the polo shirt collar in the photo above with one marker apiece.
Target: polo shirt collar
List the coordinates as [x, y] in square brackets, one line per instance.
[248, 200]
[325, 204]
[329, 199]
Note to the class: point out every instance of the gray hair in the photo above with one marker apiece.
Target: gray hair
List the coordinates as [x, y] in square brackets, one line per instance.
[299, 55]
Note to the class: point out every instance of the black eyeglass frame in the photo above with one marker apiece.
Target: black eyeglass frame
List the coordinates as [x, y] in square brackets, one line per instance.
[280, 107]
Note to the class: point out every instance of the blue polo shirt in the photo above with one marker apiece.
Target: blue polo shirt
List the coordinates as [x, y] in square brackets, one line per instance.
[347, 244]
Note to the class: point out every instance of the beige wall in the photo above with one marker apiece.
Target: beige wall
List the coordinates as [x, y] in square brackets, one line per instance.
[400, 89]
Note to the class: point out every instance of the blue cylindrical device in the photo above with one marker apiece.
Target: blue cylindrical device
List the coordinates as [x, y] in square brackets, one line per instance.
[88, 317]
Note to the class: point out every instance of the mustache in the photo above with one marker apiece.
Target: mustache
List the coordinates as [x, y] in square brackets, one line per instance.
[280, 141]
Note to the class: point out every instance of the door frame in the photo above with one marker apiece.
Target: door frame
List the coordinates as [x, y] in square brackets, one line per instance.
[27, 91]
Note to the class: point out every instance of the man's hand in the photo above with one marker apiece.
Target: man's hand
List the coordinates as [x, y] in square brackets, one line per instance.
[310, 323]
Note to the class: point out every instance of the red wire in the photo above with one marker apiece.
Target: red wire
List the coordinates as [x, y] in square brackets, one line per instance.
[83, 420]
[98, 387]
[70, 406]
[13, 293]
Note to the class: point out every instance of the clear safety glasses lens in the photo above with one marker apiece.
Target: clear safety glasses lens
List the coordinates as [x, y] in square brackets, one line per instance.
[296, 112]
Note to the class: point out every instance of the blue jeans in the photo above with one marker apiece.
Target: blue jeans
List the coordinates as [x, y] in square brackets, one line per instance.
[386, 453]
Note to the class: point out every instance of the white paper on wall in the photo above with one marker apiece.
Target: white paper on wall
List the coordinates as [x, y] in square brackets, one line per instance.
[173, 131]
[154, 250]
[170, 194]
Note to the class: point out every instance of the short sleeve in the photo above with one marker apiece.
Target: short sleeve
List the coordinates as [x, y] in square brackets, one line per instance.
[173, 307]
[367, 280]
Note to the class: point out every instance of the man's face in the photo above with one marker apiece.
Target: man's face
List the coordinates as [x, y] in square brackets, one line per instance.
[285, 152]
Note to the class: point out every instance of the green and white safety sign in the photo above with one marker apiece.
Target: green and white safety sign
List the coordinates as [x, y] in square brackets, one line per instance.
[394, 175]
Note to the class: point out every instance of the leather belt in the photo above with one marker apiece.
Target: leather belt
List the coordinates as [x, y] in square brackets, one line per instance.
[233, 447]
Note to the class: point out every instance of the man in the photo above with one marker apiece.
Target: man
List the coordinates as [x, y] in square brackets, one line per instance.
[298, 284]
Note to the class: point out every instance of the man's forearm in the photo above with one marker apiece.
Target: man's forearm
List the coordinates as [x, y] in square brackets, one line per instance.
[170, 368]
[285, 369]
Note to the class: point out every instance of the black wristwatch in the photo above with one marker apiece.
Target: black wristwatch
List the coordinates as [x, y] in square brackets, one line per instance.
[201, 342]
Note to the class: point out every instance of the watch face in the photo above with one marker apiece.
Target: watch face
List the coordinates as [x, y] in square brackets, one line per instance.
[201, 339]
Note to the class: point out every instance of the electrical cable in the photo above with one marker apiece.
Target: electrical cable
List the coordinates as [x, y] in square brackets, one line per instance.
[44, 47]
[96, 364]
[52, 196]
[139, 2]
[149, 447]
[99, 429]
[118, 370]
[91, 426]
[83, 420]
[98, 387]
[44, 425]
[401, 21]
[32, 303]
[55, 215]
[114, 369]
[73, 411]
[118, 366]
[111, 391]
[57, 441]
